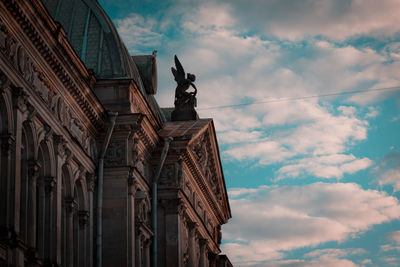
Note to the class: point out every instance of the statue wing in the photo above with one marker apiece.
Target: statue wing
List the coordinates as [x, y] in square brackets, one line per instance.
[179, 72]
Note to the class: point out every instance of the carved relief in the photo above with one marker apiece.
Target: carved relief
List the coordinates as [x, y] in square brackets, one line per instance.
[4, 81]
[3, 35]
[116, 152]
[135, 152]
[40, 84]
[143, 209]
[201, 148]
[20, 98]
[168, 176]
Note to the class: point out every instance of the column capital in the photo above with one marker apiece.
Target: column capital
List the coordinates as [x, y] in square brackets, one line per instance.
[90, 181]
[7, 142]
[49, 182]
[60, 144]
[20, 98]
[132, 183]
[83, 217]
[69, 203]
[68, 155]
[33, 169]
[31, 112]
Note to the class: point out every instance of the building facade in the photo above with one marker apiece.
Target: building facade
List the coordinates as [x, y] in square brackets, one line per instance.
[92, 171]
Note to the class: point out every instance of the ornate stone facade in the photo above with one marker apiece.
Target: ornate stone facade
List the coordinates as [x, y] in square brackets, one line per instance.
[63, 67]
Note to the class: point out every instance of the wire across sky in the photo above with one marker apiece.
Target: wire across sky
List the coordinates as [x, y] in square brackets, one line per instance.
[304, 97]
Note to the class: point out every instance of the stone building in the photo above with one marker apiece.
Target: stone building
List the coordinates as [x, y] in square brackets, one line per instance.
[92, 171]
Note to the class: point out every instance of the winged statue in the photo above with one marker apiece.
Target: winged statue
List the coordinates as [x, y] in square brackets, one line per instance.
[183, 98]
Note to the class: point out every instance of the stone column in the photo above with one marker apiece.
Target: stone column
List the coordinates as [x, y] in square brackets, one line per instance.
[49, 245]
[132, 188]
[33, 173]
[172, 245]
[192, 243]
[19, 99]
[138, 256]
[59, 148]
[212, 259]
[90, 188]
[203, 254]
[83, 223]
[146, 255]
[41, 217]
[33, 176]
[115, 215]
[69, 210]
[7, 144]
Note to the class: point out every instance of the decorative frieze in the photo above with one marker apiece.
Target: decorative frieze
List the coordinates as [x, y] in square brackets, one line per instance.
[40, 85]
[50, 56]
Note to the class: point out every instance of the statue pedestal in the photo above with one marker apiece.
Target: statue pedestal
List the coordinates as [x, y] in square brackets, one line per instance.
[184, 114]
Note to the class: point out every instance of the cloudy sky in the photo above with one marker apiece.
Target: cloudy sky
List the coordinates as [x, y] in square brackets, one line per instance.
[313, 171]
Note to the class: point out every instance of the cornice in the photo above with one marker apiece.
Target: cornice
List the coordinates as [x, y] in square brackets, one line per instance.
[55, 56]
[207, 192]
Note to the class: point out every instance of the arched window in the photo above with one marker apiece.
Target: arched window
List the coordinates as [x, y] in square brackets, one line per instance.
[45, 203]
[29, 175]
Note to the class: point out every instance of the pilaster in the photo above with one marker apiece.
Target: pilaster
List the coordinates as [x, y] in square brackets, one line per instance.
[172, 246]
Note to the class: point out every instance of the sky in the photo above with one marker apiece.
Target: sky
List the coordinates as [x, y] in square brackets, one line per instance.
[312, 171]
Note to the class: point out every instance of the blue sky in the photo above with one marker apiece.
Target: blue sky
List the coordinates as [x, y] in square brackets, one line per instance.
[313, 181]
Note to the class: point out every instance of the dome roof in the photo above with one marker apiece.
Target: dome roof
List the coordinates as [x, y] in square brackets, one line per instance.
[94, 38]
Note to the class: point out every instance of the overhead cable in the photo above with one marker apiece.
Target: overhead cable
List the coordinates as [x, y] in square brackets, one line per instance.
[303, 97]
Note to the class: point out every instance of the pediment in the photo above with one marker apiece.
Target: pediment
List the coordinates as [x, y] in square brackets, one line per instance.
[206, 155]
[204, 148]
[196, 140]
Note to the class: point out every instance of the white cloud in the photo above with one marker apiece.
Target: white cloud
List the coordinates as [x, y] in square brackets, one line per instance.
[318, 136]
[335, 19]
[372, 112]
[334, 253]
[389, 248]
[265, 152]
[366, 261]
[275, 220]
[331, 166]
[391, 177]
[326, 262]
[394, 236]
[138, 32]
[391, 261]
[236, 192]
[239, 136]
